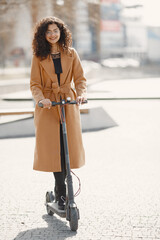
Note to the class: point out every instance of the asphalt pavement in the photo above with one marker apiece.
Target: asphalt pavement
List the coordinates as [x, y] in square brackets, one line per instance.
[120, 183]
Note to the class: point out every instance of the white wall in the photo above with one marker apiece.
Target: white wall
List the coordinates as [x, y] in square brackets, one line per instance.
[153, 51]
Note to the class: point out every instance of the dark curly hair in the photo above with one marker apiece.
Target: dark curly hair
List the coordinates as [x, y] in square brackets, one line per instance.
[41, 47]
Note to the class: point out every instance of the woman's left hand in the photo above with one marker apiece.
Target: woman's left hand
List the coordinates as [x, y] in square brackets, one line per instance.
[80, 99]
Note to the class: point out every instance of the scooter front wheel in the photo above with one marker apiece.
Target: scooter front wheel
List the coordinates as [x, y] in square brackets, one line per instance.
[74, 216]
[49, 197]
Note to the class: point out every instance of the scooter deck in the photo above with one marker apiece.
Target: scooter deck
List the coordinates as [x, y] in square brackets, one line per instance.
[54, 208]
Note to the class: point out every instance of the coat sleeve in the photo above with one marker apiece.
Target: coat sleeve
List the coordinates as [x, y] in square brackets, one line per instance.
[35, 80]
[78, 76]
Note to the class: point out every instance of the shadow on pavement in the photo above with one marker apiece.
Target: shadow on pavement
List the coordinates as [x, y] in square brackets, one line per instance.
[97, 119]
[56, 229]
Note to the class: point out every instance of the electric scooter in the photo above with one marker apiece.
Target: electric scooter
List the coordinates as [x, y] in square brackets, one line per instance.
[71, 212]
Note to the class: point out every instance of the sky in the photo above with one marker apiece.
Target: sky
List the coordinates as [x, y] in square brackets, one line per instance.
[151, 10]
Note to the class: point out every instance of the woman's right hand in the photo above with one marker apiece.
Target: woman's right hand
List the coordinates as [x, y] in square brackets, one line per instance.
[46, 103]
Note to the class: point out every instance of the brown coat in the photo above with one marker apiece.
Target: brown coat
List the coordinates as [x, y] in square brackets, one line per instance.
[44, 84]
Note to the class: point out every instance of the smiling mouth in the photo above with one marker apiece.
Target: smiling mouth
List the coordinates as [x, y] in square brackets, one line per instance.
[52, 38]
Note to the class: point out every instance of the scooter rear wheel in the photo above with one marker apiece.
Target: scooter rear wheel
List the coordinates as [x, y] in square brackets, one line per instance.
[73, 222]
[50, 213]
[49, 199]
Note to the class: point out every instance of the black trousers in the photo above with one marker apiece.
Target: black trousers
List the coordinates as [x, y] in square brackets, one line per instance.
[61, 176]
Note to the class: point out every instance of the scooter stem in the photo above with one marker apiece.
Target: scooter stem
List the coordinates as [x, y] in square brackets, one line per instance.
[71, 202]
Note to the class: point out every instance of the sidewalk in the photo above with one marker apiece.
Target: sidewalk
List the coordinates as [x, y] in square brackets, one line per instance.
[97, 118]
[109, 89]
[18, 78]
[120, 182]
[120, 197]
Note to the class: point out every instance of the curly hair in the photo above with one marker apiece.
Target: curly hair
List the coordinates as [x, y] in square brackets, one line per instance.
[41, 47]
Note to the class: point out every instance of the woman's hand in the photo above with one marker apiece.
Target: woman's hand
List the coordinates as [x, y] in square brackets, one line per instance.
[80, 99]
[46, 103]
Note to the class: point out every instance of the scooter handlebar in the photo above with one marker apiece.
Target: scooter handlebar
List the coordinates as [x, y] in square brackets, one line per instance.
[63, 102]
[40, 105]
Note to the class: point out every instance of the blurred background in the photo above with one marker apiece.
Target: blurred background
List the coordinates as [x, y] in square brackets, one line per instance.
[101, 29]
[116, 39]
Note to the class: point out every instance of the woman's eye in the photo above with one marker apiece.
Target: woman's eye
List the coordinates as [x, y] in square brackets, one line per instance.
[49, 32]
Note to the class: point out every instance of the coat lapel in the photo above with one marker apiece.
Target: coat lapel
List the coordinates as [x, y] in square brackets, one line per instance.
[66, 61]
[48, 65]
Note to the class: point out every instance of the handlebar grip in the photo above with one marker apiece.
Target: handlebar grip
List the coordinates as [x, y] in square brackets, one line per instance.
[54, 103]
[40, 105]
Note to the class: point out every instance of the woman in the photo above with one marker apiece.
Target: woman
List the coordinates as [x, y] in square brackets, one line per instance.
[55, 70]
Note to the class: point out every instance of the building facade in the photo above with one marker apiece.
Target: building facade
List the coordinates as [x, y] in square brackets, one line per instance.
[100, 29]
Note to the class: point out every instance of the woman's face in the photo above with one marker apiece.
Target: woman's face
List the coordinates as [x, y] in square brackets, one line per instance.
[53, 33]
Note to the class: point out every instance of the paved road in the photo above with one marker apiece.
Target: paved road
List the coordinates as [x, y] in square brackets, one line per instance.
[120, 196]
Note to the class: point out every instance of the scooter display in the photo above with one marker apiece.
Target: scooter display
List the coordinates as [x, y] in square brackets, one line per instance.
[71, 212]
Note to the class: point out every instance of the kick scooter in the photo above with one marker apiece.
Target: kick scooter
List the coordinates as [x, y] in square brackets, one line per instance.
[71, 212]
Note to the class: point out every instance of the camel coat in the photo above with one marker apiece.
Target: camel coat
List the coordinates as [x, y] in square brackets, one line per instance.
[44, 84]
